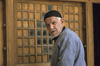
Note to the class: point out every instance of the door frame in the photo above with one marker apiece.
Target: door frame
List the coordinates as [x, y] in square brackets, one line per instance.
[10, 33]
[4, 33]
[89, 33]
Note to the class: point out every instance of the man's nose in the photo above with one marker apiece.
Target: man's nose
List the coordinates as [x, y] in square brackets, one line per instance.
[51, 26]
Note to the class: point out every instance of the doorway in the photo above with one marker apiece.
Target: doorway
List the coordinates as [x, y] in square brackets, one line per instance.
[33, 42]
[96, 18]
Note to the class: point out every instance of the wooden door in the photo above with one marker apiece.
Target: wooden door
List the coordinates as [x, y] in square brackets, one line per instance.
[34, 43]
[1, 33]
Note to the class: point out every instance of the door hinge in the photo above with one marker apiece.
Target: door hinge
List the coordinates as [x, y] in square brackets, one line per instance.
[3, 7]
[84, 46]
[4, 48]
[84, 27]
[4, 25]
[83, 11]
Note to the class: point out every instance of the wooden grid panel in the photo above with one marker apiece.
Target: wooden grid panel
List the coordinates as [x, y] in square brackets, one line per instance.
[34, 42]
[71, 16]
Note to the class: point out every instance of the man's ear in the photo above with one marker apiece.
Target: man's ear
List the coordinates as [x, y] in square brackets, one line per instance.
[62, 20]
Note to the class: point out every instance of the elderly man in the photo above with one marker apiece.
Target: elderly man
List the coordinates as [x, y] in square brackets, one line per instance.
[68, 48]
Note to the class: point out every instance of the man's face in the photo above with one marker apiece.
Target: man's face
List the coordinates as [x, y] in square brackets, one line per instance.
[54, 25]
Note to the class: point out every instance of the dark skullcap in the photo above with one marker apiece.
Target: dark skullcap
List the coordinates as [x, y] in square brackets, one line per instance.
[52, 13]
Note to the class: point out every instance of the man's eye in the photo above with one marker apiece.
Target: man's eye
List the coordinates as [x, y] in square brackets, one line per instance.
[53, 23]
[47, 25]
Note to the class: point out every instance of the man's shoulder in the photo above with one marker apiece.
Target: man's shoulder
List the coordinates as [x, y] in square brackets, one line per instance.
[68, 33]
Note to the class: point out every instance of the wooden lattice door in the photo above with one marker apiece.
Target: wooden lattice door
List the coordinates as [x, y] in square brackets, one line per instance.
[34, 43]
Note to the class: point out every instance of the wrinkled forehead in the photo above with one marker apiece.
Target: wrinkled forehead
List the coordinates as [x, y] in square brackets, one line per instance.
[48, 20]
[51, 19]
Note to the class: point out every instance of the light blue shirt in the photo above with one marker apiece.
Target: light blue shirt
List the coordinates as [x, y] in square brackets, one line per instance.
[68, 50]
